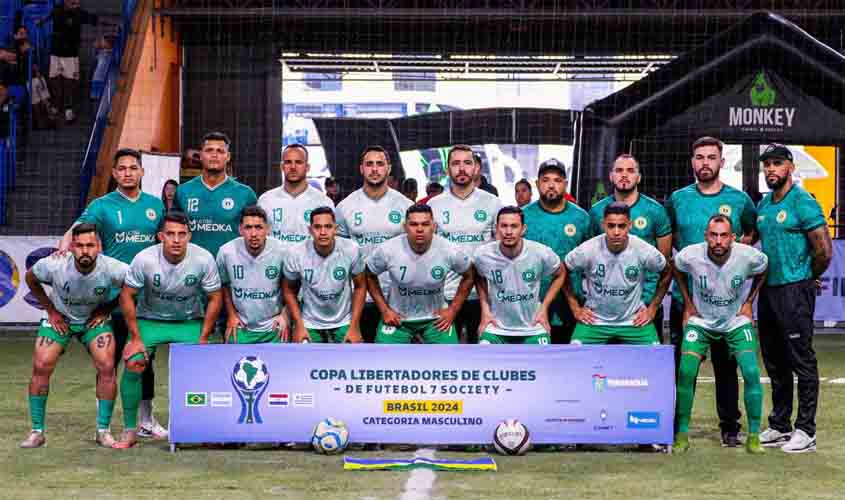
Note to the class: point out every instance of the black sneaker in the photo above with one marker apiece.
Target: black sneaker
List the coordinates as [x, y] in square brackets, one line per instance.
[730, 440]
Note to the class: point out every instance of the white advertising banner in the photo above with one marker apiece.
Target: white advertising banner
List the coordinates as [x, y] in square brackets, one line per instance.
[158, 168]
[17, 254]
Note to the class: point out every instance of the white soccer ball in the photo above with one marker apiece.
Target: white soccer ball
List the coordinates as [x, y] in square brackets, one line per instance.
[250, 373]
[330, 436]
[511, 438]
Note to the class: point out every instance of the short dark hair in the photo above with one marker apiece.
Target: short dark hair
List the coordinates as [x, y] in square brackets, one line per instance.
[330, 181]
[627, 156]
[707, 141]
[410, 184]
[295, 145]
[134, 153]
[371, 149]
[459, 147]
[253, 211]
[617, 208]
[720, 218]
[418, 208]
[80, 229]
[523, 181]
[322, 211]
[216, 136]
[434, 185]
[476, 158]
[510, 209]
[176, 217]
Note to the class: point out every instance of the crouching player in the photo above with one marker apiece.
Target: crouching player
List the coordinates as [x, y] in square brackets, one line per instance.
[169, 281]
[710, 277]
[77, 306]
[325, 269]
[508, 276]
[250, 270]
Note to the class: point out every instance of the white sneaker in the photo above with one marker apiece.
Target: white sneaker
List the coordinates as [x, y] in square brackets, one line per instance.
[152, 430]
[773, 438]
[800, 442]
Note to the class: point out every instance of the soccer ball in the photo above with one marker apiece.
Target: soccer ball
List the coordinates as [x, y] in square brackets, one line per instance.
[250, 374]
[330, 436]
[511, 438]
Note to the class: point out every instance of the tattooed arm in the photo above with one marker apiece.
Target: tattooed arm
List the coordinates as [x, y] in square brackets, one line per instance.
[822, 250]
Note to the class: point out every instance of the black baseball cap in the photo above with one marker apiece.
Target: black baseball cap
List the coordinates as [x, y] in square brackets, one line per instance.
[552, 164]
[776, 151]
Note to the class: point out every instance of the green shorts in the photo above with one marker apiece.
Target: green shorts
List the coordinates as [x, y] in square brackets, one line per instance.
[698, 339]
[155, 333]
[609, 334]
[328, 335]
[409, 329]
[81, 332]
[492, 338]
[253, 337]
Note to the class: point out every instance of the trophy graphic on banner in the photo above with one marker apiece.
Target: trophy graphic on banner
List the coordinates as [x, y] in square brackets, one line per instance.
[249, 378]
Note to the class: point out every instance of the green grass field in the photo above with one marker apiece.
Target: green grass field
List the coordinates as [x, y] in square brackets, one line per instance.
[71, 466]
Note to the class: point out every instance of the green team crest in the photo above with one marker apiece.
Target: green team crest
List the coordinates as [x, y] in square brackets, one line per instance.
[762, 94]
[736, 282]
[529, 276]
[191, 280]
[632, 272]
[394, 217]
[272, 272]
[480, 215]
[339, 273]
[438, 272]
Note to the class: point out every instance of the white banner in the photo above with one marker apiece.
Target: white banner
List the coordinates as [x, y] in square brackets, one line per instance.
[17, 255]
[158, 168]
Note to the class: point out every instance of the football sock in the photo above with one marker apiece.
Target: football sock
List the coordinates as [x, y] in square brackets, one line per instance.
[37, 408]
[753, 391]
[686, 390]
[105, 408]
[145, 410]
[130, 397]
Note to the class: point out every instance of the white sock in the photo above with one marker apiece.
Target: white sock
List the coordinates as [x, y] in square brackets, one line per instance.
[145, 411]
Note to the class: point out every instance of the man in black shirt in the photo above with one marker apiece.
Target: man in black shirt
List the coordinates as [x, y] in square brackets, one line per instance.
[64, 53]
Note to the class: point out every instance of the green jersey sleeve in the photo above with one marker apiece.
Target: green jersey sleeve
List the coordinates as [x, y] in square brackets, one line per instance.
[748, 219]
[93, 214]
[810, 214]
[662, 224]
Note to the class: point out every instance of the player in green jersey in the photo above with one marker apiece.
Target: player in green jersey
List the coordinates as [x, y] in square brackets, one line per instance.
[711, 277]
[78, 306]
[689, 209]
[560, 225]
[214, 201]
[328, 272]
[170, 281]
[649, 220]
[127, 221]
[795, 237]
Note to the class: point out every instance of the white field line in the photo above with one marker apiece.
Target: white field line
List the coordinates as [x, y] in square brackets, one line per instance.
[421, 481]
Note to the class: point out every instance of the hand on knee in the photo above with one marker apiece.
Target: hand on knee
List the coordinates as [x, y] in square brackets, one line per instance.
[136, 365]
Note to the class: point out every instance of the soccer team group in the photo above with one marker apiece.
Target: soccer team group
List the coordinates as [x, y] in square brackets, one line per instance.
[460, 267]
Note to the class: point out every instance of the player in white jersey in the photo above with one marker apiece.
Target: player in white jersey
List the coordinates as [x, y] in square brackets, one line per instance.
[711, 277]
[370, 216]
[508, 275]
[329, 273]
[289, 205]
[465, 215]
[418, 264]
[78, 306]
[168, 281]
[614, 265]
[250, 270]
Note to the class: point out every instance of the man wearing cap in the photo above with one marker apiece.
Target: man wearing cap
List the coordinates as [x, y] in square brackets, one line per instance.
[561, 225]
[795, 238]
[649, 221]
[689, 209]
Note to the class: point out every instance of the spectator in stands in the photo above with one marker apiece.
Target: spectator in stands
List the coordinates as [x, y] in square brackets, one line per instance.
[410, 189]
[333, 190]
[103, 47]
[393, 182]
[522, 192]
[23, 50]
[431, 190]
[481, 181]
[168, 194]
[64, 53]
[43, 111]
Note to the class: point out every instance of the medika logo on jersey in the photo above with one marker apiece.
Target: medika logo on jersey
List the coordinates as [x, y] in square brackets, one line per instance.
[133, 237]
[602, 382]
[209, 227]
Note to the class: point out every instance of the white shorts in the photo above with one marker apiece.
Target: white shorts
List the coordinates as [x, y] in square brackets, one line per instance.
[67, 67]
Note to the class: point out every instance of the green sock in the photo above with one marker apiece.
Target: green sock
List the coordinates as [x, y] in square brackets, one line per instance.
[753, 390]
[686, 390]
[105, 408]
[130, 397]
[37, 408]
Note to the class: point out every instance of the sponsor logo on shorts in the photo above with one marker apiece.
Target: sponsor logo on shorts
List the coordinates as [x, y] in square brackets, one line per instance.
[227, 203]
[640, 223]
[221, 399]
[303, 400]
[272, 272]
[388, 330]
[643, 420]
[394, 217]
[196, 399]
[570, 230]
[480, 215]
[692, 336]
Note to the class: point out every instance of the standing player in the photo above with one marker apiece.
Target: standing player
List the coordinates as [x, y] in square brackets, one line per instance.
[561, 225]
[169, 281]
[127, 220]
[213, 201]
[795, 237]
[326, 268]
[465, 215]
[78, 306]
[649, 220]
[689, 210]
[508, 282]
[418, 264]
[370, 216]
[250, 270]
[710, 277]
[289, 205]
[615, 266]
